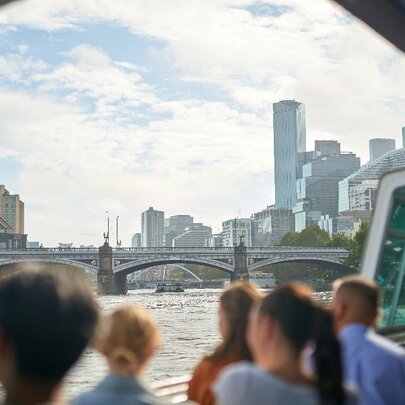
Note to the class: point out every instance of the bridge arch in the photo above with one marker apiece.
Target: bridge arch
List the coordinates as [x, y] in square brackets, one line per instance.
[185, 269]
[131, 267]
[86, 267]
[332, 262]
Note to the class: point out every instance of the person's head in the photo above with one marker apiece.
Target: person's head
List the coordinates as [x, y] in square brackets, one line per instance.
[46, 321]
[128, 337]
[289, 319]
[355, 300]
[235, 304]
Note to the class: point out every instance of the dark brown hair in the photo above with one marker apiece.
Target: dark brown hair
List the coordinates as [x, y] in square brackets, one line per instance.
[236, 302]
[301, 321]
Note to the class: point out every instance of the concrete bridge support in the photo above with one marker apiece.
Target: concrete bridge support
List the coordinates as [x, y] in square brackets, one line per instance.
[240, 263]
[107, 282]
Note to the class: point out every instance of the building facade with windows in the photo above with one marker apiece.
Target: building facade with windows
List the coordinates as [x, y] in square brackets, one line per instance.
[289, 140]
[307, 212]
[136, 240]
[380, 146]
[237, 230]
[152, 228]
[194, 236]
[12, 210]
[175, 226]
[320, 179]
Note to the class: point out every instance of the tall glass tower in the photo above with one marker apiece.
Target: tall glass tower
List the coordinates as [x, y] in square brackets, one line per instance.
[289, 142]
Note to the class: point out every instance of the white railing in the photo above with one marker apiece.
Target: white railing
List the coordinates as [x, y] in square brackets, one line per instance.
[173, 390]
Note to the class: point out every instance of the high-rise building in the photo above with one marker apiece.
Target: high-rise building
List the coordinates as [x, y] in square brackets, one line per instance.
[237, 230]
[12, 210]
[320, 178]
[152, 228]
[194, 236]
[289, 140]
[380, 146]
[136, 240]
[362, 196]
[175, 226]
[403, 137]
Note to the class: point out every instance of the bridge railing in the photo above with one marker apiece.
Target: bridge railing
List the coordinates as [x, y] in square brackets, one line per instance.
[166, 249]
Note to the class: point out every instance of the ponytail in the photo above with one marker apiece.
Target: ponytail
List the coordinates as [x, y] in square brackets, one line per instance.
[302, 321]
[328, 364]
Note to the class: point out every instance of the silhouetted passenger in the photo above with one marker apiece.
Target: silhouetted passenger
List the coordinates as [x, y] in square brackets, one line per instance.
[235, 304]
[127, 338]
[46, 321]
[280, 328]
[373, 363]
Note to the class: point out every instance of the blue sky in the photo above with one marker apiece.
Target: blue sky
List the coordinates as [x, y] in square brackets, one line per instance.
[134, 103]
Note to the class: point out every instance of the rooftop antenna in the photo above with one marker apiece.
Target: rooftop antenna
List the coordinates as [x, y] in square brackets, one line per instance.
[116, 226]
[107, 235]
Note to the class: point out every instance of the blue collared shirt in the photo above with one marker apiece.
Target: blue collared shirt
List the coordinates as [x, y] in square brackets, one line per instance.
[374, 364]
[118, 389]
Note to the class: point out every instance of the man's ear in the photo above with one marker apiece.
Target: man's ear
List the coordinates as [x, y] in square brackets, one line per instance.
[268, 326]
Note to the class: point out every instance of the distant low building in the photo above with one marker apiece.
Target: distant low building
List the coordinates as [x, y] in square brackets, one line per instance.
[341, 224]
[307, 212]
[194, 236]
[136, 240]
[215, 241]
[270, 225]
[33, 245]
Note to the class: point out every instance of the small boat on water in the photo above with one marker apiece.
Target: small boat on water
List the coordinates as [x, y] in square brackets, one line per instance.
[162, 288]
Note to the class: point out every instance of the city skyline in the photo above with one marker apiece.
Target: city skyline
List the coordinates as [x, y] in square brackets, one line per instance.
[111, 107]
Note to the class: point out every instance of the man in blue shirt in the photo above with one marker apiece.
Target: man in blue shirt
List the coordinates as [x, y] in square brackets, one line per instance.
[372, 363]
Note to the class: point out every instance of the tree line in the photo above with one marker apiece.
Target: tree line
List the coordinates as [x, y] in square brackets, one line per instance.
[313, 236]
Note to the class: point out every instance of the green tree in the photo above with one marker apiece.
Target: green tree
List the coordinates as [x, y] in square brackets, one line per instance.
[357, 246]
[312, 236]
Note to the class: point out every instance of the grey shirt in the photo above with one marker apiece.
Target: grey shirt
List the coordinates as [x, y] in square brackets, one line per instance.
[246, 384]
[118, 389]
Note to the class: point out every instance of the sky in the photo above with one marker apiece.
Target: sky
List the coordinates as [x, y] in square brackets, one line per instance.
[126, 104]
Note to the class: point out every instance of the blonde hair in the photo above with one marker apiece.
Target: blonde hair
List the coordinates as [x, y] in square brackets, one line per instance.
[127, 337]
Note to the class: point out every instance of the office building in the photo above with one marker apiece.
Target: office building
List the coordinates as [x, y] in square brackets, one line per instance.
[136, 240]
[152, 228]
[215, 241]
[235, 231]
[194, 236]
[320, 178]
[175, 226]
[270, 225]
[341, 224]
[289, 141]
[373, 170]
[403, 137]
[307, 212]
[327, 147]
[12, 210]
[380, 146]
[362, 196]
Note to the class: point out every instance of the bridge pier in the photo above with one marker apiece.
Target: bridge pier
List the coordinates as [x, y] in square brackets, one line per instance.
[107, 282]
[240, 263]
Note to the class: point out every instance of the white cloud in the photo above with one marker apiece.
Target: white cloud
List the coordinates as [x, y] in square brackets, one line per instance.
[92, 138]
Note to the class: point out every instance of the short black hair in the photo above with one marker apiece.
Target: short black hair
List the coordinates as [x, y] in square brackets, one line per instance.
[48, 319]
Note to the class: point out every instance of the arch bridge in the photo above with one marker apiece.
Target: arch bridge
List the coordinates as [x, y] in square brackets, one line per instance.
[112, 265]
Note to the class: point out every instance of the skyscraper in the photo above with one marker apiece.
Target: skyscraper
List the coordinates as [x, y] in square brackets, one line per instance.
[152, 228]
[380, 146]
[289, 142]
